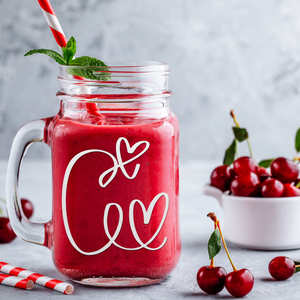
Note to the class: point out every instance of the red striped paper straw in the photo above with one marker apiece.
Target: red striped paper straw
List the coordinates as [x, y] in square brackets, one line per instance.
[61, 41]
[39, 279]
[53, 23]
[21, 283]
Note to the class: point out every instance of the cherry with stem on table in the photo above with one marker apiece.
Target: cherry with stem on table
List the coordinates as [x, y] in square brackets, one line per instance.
[239, 282]
[283, 268]
[211, 279]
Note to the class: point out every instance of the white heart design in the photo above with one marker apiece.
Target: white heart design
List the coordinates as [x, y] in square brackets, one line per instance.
[121, 164]
[130, 150]
[147, 213]
[147, 216]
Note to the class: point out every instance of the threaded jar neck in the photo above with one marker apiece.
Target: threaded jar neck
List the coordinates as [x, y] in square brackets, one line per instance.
[119, 81]
[127, 89]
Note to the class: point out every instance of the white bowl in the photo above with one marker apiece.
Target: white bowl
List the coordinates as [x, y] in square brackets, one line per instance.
[259, 223]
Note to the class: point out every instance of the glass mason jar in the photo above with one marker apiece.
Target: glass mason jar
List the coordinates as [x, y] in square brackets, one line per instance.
[114, 148]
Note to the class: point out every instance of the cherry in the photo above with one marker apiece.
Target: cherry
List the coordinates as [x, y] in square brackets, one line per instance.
[285, 170]
[263, 177]
[272, 188]
[290, 190]
[27, 207]
[262, 171]
[245, 164]
[6, 232]
[211, 280]
[281, 268]
[262, 174]
[239, 283]
[221, 177]
[246, 184]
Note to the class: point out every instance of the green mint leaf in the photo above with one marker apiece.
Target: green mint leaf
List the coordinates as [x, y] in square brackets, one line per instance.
[70, 50]
[53, 54]
[79, 65]
[297, 269]
[230, 154]
[297, 141]
[86, 61]
[266, 163]
[214, 244]
[240, 134]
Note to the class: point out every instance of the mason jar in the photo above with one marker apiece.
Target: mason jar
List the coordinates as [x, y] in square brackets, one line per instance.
[114, 148]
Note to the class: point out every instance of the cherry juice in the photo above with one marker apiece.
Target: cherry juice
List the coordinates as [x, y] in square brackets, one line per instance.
[115, 198]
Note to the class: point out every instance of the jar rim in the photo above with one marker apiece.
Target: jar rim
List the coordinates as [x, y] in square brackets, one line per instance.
[117, 81]
[127, 68]
[133, 63]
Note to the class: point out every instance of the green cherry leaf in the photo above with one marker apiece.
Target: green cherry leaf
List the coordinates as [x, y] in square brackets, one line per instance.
[297, 141]
[297, 269]
[266, 163]
[230, 154]
[53, 54]
[240, 134]
[214, 243]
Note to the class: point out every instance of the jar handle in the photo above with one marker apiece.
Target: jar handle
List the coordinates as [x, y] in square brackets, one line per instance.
[28, 134]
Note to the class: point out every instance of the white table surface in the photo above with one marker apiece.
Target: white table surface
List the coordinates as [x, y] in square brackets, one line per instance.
[35, 184]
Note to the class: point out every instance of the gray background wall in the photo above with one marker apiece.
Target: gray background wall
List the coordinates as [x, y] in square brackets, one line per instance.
[233, 54]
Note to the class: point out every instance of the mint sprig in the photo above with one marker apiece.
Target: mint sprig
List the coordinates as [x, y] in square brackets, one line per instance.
[78, 66]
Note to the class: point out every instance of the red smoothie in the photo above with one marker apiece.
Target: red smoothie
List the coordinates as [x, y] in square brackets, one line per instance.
[115, 196]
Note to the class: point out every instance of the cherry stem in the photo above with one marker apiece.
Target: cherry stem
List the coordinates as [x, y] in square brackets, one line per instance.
[2, 200]
[236, 151]
[238, 125]
[297, 266]
[234, 118]
[212, 265]
[217, 223]
[298, 185]
[296, 159]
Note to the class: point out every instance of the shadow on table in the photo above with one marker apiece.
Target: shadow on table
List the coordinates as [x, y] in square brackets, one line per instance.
[267, 279]
[204, 295]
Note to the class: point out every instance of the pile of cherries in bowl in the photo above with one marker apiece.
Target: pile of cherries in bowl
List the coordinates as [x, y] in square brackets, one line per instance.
[246, 178]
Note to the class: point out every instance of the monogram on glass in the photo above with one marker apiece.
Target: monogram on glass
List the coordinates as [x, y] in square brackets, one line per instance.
[114, 149]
